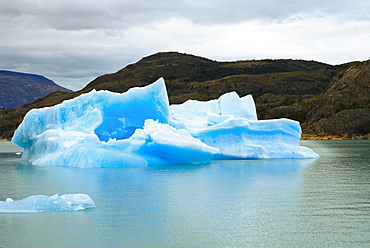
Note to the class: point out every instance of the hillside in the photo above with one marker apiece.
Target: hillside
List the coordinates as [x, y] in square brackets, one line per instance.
[21, 88]
[281, 88]
[344, 108]
[189, 76]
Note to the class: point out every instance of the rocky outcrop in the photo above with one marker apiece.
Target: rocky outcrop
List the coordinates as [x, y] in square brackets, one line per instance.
[344, 107]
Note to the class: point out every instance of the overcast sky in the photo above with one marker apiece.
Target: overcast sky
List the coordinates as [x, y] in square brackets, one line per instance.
[73, 41]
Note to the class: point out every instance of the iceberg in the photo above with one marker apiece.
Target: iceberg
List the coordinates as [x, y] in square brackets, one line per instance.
[140, 128]
[43, 203]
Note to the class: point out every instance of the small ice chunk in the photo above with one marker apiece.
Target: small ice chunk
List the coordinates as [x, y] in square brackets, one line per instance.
[43, 203]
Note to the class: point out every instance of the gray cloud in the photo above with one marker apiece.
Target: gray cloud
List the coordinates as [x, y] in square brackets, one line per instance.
[72, 42]
[111, 14]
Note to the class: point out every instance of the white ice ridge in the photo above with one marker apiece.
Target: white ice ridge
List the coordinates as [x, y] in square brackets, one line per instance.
[43, 203]
[140, 128]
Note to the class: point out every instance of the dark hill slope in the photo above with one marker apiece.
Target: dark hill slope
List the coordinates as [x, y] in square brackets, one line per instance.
[21, 88]
[344, 108]
[188, 75]
[281, 88]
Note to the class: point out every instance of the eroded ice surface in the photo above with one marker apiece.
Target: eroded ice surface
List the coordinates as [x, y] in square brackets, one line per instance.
[43, 203]
[139, 128]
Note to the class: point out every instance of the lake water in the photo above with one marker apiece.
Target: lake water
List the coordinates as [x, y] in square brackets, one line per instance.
[257, 203]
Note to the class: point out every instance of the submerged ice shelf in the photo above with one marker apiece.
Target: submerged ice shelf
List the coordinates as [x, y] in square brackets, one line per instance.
[43, 203]
[140, 128]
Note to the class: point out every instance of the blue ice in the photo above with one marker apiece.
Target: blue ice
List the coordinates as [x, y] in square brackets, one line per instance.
[140, 128]
[43, 203]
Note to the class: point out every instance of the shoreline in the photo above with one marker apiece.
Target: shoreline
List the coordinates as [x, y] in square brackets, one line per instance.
[334, 137]
[312, 137]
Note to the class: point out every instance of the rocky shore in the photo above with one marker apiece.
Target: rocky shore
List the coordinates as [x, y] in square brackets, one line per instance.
[334, 137]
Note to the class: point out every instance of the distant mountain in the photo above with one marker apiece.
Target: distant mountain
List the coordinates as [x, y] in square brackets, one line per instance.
[344, 108]
[281, 88]
[20, 88]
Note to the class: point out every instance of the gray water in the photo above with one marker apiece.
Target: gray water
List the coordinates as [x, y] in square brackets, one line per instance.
[256, 203]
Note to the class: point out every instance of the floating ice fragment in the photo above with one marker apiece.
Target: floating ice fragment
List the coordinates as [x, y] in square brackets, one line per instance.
[43, 203]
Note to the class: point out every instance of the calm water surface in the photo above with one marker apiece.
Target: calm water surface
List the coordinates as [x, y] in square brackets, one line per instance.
[257, 203]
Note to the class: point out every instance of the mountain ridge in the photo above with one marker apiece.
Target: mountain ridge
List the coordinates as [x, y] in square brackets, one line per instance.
[281, 88]
[19, 88]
